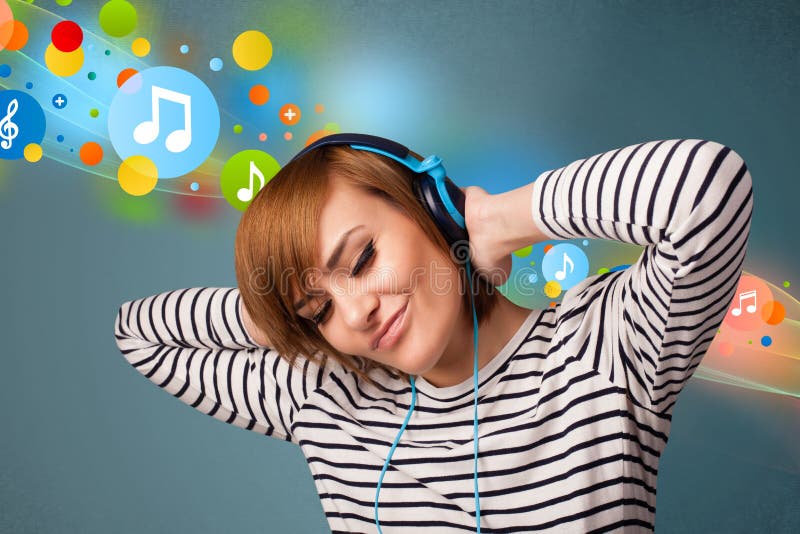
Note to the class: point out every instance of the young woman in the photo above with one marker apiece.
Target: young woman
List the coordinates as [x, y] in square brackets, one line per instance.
[575, 400]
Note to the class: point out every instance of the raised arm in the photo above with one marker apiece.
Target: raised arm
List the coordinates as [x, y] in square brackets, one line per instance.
[193, 344]
[689, 202]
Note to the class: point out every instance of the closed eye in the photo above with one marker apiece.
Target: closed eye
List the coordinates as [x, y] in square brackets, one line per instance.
[366, 255]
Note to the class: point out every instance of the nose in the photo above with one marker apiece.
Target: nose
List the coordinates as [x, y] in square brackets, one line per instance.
[357, 307]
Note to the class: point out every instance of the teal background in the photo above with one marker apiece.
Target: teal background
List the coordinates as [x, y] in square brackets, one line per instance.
[502, 91]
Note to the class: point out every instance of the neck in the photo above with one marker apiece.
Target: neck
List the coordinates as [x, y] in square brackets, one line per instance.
[458, 360]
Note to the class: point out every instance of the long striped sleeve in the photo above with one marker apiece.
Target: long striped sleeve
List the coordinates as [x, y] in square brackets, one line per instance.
[689, 202]
[192, 343]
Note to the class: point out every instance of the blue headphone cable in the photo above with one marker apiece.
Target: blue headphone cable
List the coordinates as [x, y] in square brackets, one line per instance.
[475, 418]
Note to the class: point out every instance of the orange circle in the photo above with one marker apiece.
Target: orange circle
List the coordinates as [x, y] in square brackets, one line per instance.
[259, 94]
[319, 108]
[287, 136]
[19, 36]
[289, 114]
[91, 153]
[124, 76]
[546, 248]
[773, 312]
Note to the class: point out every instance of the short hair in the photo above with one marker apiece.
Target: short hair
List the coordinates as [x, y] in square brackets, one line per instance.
[276, 241]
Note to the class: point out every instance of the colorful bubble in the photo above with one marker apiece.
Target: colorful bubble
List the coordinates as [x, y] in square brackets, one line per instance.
[63, 2]
[124, 75]
[6, 24]
[118, 18]
[108, 52]
[773, 312]
[215, 64]
[319, 108]
[63, 63]
[252, 50]
[766, 341]
[140, 47]
[319, 134]
[332, 127]
[259, 94]
[60, 138]
[184, 49]
[786, 283]
[552, 289]
[91, 153]
[94, 113]
[19, 36]
[288, 136]
[194, 186]
[92, 75]
[137, 175]
[29, 85]
[33, 152]
[262, 137]
[5, 71]
[67, 36]
[565, 263]
[289, 114]
[237, 128]
[523, 252]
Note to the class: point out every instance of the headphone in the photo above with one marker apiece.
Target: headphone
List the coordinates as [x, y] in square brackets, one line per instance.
[444, 202]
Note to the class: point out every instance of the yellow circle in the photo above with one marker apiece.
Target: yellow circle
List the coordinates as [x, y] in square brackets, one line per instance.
[63, 63]
[252, 50]
[140, 47]
[32, 152]
[137, 175]
[552, 289]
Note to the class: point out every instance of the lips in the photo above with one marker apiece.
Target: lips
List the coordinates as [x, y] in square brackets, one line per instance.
[389, 323]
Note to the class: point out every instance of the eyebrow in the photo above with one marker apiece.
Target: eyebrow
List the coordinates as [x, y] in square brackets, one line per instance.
[333, 260]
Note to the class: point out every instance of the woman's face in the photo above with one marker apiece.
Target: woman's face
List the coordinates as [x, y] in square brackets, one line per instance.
[405, 269]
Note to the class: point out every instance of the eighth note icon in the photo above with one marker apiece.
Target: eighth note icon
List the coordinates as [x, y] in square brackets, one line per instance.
[246, 194]
[179, 139]
[562, 274]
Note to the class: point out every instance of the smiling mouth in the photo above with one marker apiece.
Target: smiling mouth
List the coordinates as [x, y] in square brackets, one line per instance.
[394, 330]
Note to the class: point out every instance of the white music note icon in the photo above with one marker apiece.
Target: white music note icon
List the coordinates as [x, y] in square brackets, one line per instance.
[245, 194]
[751, 308]
[179, 139]
[560, 275]
[8, 128]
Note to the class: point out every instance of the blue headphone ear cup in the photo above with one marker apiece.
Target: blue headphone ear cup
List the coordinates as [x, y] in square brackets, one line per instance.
[457, 237]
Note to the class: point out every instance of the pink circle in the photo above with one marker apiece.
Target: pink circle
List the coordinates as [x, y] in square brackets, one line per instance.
[288, 136]
[262, 137]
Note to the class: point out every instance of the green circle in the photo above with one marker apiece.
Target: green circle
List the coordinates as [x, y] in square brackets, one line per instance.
[237, 128]
[108, 52]
[94, 112]
[63, 2]
[236, 176]
[92, 75]
[118, 18]
[332, 127]
[786, 283]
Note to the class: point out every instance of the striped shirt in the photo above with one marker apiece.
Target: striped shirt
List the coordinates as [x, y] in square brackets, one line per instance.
[574, 411]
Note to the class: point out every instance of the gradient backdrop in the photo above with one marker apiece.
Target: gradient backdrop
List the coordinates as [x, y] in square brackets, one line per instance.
[502, 91]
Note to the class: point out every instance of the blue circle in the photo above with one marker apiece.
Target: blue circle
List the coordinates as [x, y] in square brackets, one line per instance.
[766, 341]
[565, 263]
[5, 71]
[21, 122]
[184, 49]
[195, 186]
[60, 138]
[29, 85]
[215, 64]
[177, 92]
[59, 101]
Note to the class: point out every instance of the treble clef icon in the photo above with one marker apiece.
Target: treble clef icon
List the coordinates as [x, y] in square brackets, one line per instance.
[8, 129]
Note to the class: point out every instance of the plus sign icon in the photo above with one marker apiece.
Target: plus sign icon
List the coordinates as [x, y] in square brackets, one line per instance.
[59, 101]
[289, 114]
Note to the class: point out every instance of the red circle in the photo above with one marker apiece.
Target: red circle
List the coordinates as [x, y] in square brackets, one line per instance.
[67, 36]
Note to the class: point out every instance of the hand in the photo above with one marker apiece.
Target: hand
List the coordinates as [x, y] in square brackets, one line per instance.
[490, 256]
